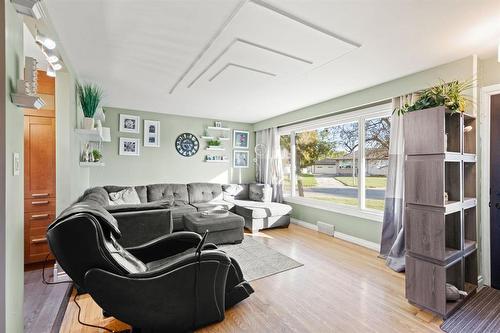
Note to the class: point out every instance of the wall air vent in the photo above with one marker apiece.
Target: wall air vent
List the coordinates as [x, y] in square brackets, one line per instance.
[31, 8]
[326, 228]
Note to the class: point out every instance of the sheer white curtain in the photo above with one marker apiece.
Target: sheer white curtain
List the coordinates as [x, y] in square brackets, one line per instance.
[392, 245]
[268, 166]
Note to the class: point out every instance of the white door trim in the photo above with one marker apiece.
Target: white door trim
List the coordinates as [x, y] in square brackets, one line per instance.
[484, 143]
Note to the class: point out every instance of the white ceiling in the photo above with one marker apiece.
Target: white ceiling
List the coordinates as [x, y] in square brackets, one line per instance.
[252, 60]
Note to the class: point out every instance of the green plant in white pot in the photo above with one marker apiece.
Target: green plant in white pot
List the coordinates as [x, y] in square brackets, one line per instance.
[90, 96]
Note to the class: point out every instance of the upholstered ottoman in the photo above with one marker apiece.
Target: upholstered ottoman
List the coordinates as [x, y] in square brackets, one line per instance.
[221, 230]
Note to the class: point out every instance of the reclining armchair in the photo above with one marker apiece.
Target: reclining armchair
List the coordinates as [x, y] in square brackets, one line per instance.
[163, 285]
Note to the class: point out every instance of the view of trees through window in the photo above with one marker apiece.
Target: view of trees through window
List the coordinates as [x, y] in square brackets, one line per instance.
[327, 163]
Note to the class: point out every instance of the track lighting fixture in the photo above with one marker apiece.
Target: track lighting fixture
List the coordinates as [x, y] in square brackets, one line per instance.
[45, 41]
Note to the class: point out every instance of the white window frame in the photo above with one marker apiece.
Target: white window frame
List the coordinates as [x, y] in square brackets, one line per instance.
[360, 116]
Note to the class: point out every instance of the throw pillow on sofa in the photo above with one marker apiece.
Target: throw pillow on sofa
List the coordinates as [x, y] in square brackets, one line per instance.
[260, 192]
[125, 196]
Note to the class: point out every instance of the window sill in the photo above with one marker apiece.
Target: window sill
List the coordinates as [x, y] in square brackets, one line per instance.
[341, 209]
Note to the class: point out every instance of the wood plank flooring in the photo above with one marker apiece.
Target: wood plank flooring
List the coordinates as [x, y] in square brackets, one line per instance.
[342, 287]
[42, 303]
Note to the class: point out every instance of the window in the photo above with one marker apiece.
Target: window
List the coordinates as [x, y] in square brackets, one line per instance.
[340, 160]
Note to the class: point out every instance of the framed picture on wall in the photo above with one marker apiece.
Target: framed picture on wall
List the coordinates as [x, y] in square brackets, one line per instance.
[151, 133]
[129, 146]
[240, 159]
[240, 139]
[129, 123]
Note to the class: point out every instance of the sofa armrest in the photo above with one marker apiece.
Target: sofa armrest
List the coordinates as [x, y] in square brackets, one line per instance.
[165, 246]
[139, 227]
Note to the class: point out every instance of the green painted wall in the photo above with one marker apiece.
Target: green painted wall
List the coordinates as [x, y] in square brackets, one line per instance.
[489, 72]
[347, 224]
[164, 164]
[13, 141]
[72, 180]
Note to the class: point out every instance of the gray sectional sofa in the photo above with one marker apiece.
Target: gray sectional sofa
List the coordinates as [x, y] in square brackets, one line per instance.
[162, 206]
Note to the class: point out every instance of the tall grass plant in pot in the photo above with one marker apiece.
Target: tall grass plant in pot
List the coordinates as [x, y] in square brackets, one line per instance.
[90, 96]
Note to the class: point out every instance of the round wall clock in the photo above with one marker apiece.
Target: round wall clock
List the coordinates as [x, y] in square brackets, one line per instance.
[187, 144]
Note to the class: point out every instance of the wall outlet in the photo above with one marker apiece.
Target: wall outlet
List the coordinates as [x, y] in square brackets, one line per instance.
[16, 164]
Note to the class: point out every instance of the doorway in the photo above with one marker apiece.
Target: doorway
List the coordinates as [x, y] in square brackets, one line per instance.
[494, 203]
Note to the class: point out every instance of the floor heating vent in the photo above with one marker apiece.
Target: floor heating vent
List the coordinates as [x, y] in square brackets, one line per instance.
[326, 228]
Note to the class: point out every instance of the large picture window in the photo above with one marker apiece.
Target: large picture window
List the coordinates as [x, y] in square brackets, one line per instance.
[342, 161]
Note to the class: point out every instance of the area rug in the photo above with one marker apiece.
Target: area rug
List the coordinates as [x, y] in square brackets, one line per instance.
[258, 260]
[479, 314]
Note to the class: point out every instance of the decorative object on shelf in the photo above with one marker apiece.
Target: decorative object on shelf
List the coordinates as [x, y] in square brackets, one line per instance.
[240, 139]
[218, 124]
[240, 159]
[90, 96]
[100, 115]
[467, 129]
[453, 293]
[129, 146]
[216, 158]
[26, 90]
[446, 94]
[187, 144]
[214, 143]
[151, 133]
[445, 197]
[129, 123]
[85, 153]
[97, 155]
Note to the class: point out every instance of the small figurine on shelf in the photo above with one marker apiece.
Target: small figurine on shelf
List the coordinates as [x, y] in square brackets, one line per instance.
[218, 124]
[85, 153]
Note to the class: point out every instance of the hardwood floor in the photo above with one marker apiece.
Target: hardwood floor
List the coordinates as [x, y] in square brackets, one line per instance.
[342, 287]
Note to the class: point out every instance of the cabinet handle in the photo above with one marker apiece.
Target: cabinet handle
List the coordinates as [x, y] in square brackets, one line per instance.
[38, 203]
[39, 240]
[39, 195]
[39, 216]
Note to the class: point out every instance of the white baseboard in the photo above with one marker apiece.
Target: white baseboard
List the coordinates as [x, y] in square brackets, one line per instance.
[340, 235]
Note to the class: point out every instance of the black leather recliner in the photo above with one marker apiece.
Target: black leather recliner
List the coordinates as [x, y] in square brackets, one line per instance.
[160, 286]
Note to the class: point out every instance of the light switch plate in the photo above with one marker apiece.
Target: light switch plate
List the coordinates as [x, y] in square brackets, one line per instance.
[16, 163]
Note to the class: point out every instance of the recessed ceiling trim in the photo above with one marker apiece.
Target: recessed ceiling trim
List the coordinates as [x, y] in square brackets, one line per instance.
[242, 67]
[209, 44]
[233, 15]
[240, 40]
[304, 22]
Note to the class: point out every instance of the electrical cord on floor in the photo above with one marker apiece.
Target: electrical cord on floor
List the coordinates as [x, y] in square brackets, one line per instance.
[74, 298]
[43, 274]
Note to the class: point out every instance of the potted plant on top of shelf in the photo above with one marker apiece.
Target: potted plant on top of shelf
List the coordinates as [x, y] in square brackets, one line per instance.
[90, 96]
[446, 94]
[214, 144]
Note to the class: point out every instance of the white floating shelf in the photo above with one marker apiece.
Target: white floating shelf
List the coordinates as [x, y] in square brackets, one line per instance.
[92, 164]
[207, 137]
[215, 148]
[217, 161]
[94, 134]
[218, 128]
[224, 139]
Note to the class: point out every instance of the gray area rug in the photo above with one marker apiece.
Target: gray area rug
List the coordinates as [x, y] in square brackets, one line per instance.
[480, 314]
[258, 260]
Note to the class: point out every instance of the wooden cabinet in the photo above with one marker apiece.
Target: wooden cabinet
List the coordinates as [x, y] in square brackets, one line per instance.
[39, 174]
[440, 213]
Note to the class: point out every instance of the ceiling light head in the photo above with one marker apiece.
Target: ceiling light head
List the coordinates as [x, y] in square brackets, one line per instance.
[31, 8]
[57, 66]
[45, 41]
[50, 55]
[50, 71]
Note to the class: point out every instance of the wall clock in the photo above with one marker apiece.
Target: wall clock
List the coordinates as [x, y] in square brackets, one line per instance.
[187, 144]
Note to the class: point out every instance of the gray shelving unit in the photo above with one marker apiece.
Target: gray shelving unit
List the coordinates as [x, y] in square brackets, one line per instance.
[440, 230]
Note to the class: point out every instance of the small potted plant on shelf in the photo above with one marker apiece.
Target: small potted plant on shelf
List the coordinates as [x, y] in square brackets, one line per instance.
[213, 144]
[90, 96]
[446, 94]
[97, 155]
